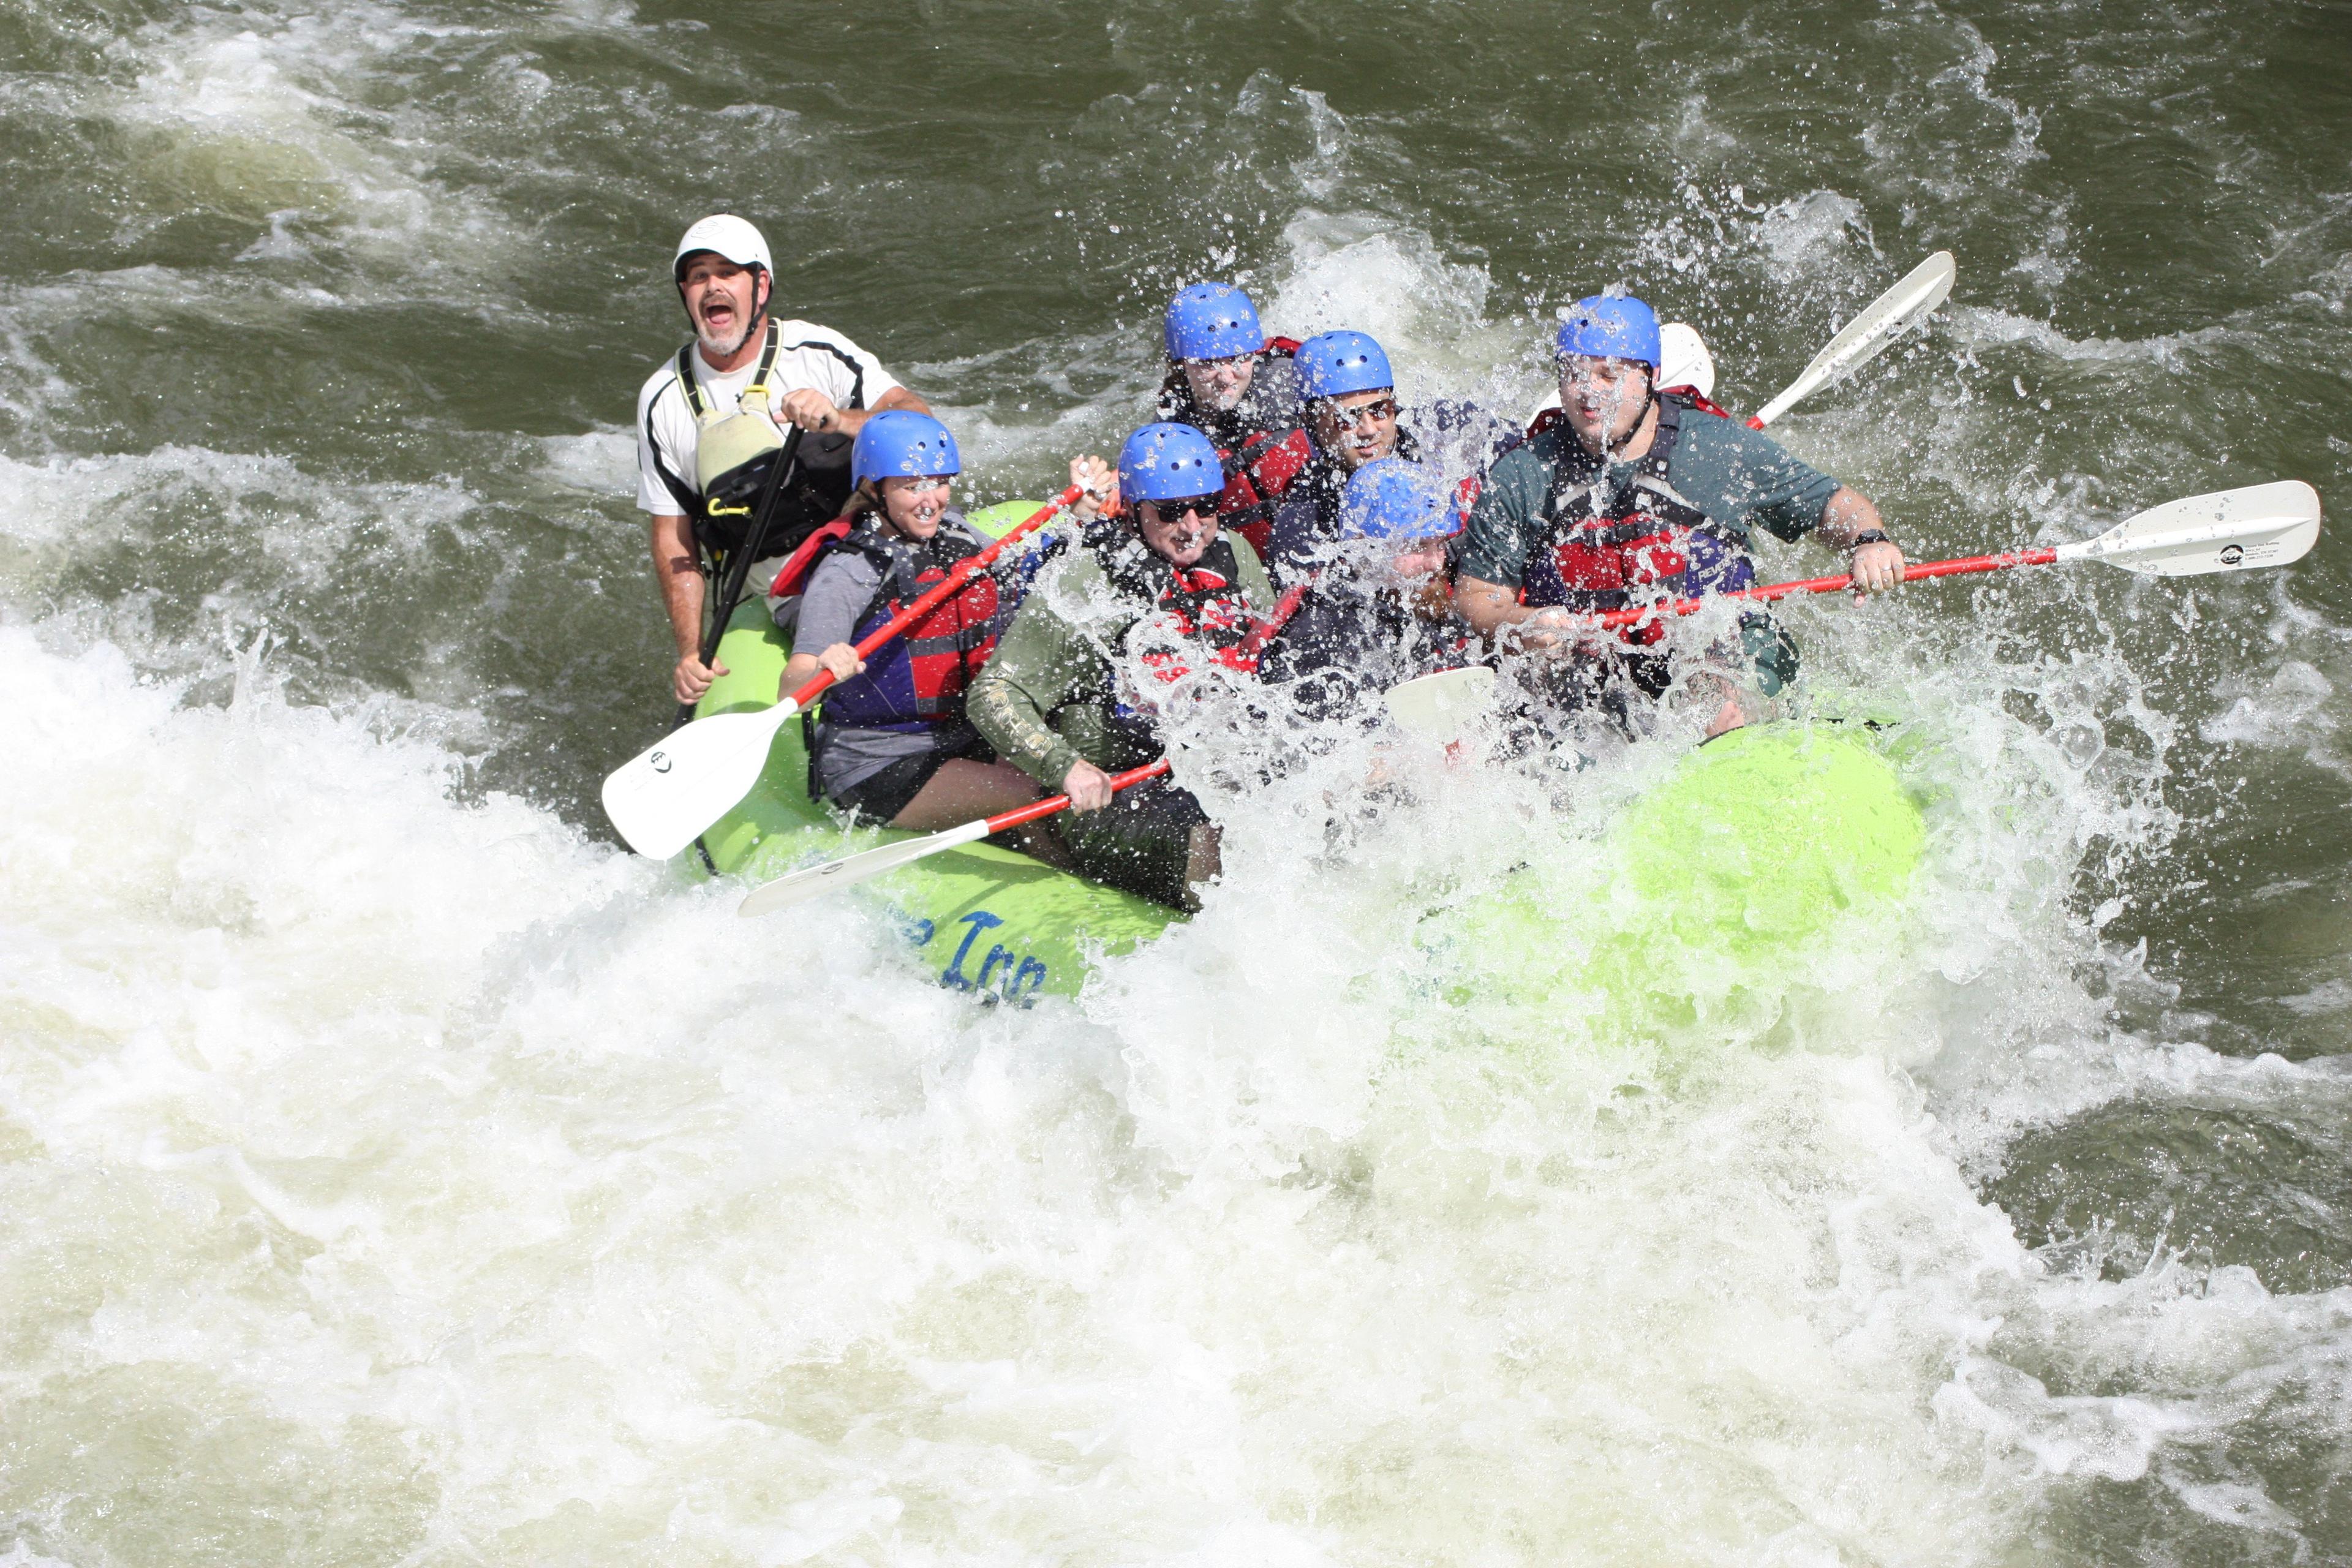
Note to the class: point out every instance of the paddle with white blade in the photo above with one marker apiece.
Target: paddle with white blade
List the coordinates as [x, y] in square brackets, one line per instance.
[2229, 531]
[662, 799]
[851, 869]
[1891, 315]
[1439, 705]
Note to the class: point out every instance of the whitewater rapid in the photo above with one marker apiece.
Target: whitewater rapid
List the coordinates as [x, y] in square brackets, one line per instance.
[417, 1168]
[392, 1170]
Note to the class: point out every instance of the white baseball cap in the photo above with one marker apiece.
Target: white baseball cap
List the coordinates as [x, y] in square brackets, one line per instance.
[724, 234]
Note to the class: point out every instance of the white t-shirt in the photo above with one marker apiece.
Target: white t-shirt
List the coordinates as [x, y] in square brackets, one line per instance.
[807, 356]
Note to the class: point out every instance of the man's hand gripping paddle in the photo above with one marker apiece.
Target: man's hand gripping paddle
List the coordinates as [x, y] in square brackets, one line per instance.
[851, 869]
[662, 799]
[2230, 530]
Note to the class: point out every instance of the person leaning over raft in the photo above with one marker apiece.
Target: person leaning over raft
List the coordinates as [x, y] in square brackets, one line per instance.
[1636, 496]
[1142, 602]
[741, 360]
[891, 740]
[1369, 619]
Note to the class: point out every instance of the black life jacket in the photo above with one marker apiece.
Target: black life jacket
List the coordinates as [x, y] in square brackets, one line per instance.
[1262, 444]
[1191, 616]
[1615, 545]
[917, 680]
[817, 491]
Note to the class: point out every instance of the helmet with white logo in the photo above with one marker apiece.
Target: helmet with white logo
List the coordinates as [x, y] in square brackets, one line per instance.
[1611, 327]
[1169, 462]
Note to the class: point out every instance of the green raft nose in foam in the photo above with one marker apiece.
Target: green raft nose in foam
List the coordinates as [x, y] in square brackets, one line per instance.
[1709, 893]
[1749, 853]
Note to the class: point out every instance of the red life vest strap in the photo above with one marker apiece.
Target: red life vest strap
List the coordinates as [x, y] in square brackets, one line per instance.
[792, 576]
[1696, 399]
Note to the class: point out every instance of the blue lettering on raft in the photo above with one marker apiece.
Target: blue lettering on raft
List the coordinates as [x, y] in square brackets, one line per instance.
[1013, 977]
[954, 975]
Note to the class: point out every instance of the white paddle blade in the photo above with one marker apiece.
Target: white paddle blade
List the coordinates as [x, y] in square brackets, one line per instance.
[815, 881]
[1890, 315]
[1440, 705]
[661, 799]
[2230, 530]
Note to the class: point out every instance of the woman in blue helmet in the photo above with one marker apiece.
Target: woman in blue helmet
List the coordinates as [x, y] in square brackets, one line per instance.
[1634, 498]
[891, 743]
[1234, 384]
[1159, 603]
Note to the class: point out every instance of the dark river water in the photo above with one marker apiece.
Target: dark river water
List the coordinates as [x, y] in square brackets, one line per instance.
[393, 1170]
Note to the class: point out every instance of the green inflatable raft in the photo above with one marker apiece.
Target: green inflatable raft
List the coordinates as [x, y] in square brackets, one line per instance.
[1704, 897]
[1753, 846]
[981, 918]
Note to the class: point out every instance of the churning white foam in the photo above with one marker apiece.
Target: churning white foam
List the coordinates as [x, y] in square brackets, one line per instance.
[521, 1201]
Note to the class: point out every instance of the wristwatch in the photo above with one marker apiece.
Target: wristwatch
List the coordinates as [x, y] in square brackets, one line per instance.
[1867, 536]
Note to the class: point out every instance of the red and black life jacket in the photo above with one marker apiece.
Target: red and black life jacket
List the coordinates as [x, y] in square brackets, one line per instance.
[917, 680]
[1193, 617]
[1614, 544]
[1262, 444]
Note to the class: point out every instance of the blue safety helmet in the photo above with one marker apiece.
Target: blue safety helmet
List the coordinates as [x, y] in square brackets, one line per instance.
[1212, 320]
[1392, 499]
[901, 441]
[1611, 327]
[1333, 365]
[1169, 462]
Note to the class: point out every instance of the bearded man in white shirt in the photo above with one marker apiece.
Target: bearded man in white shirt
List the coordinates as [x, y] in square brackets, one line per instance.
[814, 380]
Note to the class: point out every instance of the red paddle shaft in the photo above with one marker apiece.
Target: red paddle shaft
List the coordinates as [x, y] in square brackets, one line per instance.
[1048, 806]
[2039, 556]
[963, 572]
[1286, 606]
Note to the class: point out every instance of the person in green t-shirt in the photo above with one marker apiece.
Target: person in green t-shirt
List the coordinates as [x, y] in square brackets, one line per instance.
[1636, 498]
[1141, 610]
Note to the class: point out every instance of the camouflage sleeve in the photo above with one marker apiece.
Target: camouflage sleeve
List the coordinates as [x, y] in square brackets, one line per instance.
[1036, 669]
[1257, 586]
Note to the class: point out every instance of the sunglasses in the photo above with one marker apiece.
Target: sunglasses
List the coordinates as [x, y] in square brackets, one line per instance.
[1202, 507]
[1346, 419]
[1227, 361]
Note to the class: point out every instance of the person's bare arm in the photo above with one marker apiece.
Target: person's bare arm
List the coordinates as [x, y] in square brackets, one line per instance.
[678, 575]
[812, 410]
[840, 660]
[1878, 565]
[1487, 606]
